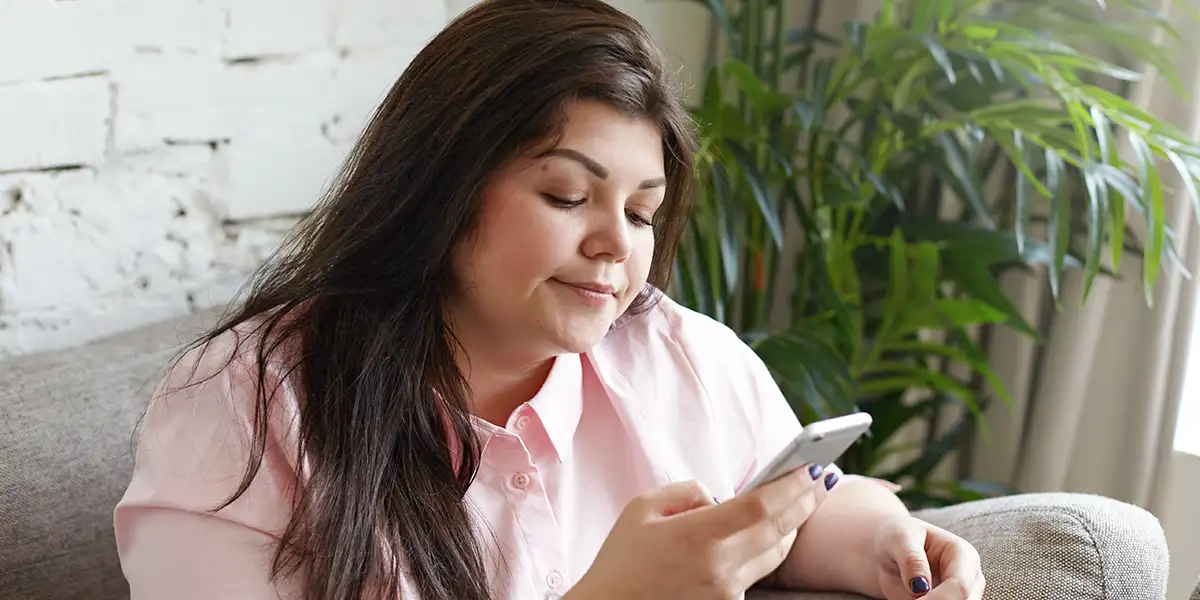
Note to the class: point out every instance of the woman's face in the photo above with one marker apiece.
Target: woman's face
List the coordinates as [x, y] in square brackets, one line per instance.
[563, 240]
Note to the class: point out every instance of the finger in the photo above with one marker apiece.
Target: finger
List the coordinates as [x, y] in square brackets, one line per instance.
[893, 587]
[771, 500]
[956, 557]
[888, 485]
[905, 545]
[675, 498]
[961, 562]
[760, 567]
[977, 589]
[776, 525]
[952, 589]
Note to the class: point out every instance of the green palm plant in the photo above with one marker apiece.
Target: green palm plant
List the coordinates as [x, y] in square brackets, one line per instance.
[871, 188]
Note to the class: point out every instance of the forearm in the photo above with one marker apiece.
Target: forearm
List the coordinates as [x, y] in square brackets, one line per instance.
[834, 549]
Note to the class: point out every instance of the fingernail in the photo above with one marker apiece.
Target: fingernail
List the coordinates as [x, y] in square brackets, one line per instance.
[716, 500]
[918, 585]
[830, 479]
[815, 471]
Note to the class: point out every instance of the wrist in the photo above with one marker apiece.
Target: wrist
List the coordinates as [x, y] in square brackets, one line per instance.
[864, 579]
[835, 549]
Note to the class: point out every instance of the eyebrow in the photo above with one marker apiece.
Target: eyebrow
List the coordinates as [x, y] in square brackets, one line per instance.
[596, 168]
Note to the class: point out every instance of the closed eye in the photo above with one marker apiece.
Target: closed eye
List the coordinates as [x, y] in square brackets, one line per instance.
[563, 202]
[639, 220]
[636, 219]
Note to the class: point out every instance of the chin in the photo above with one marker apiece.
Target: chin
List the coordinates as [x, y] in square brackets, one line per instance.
[578, 341]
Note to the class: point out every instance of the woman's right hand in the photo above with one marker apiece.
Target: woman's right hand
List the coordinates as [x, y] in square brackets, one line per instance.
[676, 542]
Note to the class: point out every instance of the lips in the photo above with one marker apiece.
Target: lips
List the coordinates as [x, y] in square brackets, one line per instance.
[592, 286]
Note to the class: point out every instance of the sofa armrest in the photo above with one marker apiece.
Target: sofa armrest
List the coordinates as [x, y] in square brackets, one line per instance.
[1053, 547]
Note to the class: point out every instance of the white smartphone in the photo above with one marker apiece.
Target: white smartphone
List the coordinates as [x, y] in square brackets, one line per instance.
[819, 443]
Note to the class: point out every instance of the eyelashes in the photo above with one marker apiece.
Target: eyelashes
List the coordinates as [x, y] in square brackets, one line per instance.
[638, 220]
[562, 203]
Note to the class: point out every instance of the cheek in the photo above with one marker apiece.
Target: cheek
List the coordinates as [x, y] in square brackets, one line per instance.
[518, 244]
[531, 246]
[637, 268]
[642, 255]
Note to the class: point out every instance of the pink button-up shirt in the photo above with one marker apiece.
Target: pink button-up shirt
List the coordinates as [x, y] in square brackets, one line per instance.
[667, 396]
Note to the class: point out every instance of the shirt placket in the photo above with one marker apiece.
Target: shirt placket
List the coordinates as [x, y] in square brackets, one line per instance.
[524, 488]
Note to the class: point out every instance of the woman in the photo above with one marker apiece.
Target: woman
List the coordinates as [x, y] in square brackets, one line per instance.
[458, 381]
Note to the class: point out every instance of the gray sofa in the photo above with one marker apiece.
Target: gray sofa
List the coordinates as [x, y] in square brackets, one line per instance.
[66, 424]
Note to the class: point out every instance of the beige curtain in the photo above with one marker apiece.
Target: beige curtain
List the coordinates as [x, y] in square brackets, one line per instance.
[1095, 407]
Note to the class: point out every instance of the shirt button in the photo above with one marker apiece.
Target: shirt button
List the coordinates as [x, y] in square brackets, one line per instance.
[553, 579]
[522, 422]
[521, 480]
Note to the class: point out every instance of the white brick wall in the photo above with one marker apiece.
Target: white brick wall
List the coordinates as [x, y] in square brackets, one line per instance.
[153, 151]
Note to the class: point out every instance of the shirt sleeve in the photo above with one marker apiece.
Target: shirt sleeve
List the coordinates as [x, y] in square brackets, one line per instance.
[729, 368]
[192, 452]
[773, 423]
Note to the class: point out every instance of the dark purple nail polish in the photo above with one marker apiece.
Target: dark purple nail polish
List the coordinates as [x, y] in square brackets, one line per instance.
[716, 500]
[830, 479]
[815, 471]
[918, 585]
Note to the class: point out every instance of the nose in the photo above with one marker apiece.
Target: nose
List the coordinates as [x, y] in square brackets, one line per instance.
[609, 236]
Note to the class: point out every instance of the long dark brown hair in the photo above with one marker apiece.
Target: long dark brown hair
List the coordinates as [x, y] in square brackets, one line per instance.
[385, 432]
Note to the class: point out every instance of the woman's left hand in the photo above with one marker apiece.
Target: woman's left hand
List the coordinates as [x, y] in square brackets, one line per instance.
[919, 560]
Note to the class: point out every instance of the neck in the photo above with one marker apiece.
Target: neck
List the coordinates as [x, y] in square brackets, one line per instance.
[498, 382]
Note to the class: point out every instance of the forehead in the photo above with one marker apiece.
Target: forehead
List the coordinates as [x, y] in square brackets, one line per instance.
[623, 144]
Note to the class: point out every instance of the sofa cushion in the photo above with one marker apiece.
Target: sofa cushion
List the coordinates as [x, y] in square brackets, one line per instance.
[66, 455]
[1062, 546]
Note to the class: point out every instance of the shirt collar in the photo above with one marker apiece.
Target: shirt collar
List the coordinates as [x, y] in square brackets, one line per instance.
[559, 403]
